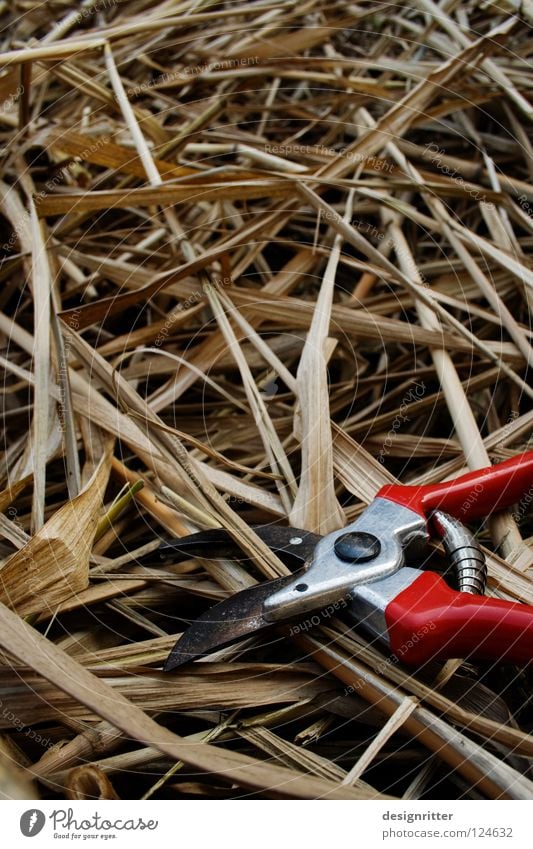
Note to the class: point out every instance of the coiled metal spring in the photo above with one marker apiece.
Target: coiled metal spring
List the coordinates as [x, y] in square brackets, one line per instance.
[464, 554]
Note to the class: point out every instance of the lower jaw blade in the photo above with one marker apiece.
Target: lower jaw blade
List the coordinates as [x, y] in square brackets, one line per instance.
[236, 617]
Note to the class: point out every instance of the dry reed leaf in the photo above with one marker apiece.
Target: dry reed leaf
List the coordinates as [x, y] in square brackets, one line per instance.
[41, 289]
[397, 120]
[88, 782]
[51, 53]
[87, 314]
[278, 461]
[489, 773]
[393, 724]
[316, 507]
[198, 192]
[11, 493]
[54, 665]
[291, 755]
[165, 146]
[90, 742]
[188, 473]
[272, 46]
[505, 531]
[358, 324]
[488, 65]
[354, 237]
[102, 151]
[518, 740]
[54, 564]
[259, 685]
[14, 781]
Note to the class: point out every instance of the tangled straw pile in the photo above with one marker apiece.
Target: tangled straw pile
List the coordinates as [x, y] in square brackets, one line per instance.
[258, 260]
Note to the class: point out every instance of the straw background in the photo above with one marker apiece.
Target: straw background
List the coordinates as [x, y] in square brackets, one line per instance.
[257, 260]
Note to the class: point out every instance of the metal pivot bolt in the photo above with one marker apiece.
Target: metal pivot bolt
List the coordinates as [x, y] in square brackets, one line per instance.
[357, 547]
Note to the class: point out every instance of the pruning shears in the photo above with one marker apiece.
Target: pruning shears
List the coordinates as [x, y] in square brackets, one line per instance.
[363, 566]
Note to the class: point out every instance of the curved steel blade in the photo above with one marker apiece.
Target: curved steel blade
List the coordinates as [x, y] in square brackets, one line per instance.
[238, 616]
[292, 545]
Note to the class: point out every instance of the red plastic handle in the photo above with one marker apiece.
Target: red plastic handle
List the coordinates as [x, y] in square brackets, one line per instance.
[429, 621]
[473, 495]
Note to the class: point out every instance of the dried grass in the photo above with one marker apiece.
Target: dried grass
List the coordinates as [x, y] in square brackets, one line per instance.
[258, 261]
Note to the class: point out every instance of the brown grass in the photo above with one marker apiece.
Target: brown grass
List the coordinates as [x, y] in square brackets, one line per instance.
[258, 260]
